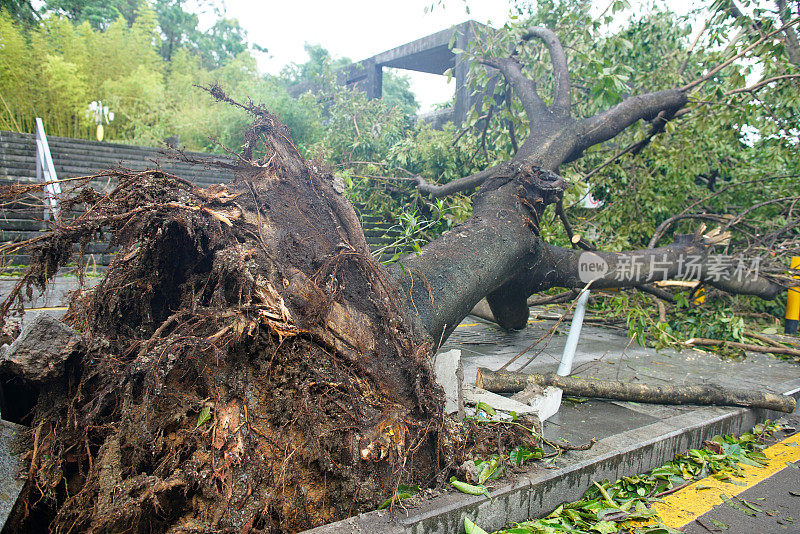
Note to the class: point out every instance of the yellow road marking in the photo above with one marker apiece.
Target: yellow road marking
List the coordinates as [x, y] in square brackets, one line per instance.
[57, 308]
[682, 507]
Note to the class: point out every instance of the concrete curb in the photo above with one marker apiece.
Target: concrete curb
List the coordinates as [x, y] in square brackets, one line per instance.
[538, 492]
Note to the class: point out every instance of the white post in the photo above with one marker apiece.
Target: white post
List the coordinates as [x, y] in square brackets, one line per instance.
[46, 172]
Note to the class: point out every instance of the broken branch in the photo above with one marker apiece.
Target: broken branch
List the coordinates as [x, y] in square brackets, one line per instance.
[506, 382]
[703, 342]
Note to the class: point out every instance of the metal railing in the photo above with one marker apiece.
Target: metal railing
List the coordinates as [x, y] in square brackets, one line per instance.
[46, 173]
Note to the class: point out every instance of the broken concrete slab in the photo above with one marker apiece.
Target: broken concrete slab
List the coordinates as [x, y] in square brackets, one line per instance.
[473, 395]
[450, 375]
[39, 352]
[546, 401]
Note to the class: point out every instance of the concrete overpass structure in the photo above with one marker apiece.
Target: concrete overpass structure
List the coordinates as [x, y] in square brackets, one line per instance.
[431, 54]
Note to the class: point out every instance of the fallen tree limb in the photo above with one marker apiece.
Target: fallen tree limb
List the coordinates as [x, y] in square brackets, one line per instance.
[507, 382]
[765, 339]
[703, 342]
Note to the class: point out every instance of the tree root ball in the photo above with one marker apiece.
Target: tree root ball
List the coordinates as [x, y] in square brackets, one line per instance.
[248, 366]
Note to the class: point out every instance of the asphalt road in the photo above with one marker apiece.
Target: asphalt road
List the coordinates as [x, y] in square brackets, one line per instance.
[768, 506]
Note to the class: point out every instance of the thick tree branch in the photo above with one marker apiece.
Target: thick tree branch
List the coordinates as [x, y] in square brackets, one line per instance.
[657, 126]
[443, 283]
[636, 267]
[459, 185]
[553, 141]
[561, 95]
[551, 266]
[608, 124]
[524, 87]
[508, 382]
[664, 226]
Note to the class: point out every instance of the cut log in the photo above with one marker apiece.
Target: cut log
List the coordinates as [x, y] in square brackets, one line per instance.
[507, 382]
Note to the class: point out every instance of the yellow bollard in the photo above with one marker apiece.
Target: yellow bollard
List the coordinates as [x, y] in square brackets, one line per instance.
[793, 303]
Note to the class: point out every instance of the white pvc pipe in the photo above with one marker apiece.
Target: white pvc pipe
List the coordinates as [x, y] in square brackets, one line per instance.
[46, 171]
[565, 367]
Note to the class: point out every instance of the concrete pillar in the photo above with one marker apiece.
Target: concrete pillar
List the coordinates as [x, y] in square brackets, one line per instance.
[374, 80]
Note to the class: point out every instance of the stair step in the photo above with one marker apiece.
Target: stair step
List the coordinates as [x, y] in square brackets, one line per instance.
[8, 236]
[79, 157]
[70, 166]
[380, 241]
[379, 232]
[89, 270]
[106, 183]
[103, 155]
[89, 259]
[23, 138]
[21, 224]
[18, 213]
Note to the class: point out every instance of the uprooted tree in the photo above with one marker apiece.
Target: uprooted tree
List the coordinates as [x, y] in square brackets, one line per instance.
[247, 366]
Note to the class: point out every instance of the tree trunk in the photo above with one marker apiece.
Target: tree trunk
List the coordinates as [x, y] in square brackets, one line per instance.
[442, 284]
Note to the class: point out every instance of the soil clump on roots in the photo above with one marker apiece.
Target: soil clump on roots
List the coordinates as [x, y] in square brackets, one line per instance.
[246, 367]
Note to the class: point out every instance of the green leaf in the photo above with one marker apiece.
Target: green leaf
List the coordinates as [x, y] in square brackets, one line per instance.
[205, 416]
[469, 489]
[605, 527]
[727, 500]
[747, 461]
[486, 408]
[556, 512]
[751, 506]
[472, 528]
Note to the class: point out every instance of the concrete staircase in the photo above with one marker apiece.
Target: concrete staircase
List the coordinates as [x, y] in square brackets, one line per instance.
[379, 232]
[77, 157]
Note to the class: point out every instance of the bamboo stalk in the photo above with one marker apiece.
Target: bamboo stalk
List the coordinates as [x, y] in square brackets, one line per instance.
[508, 382]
